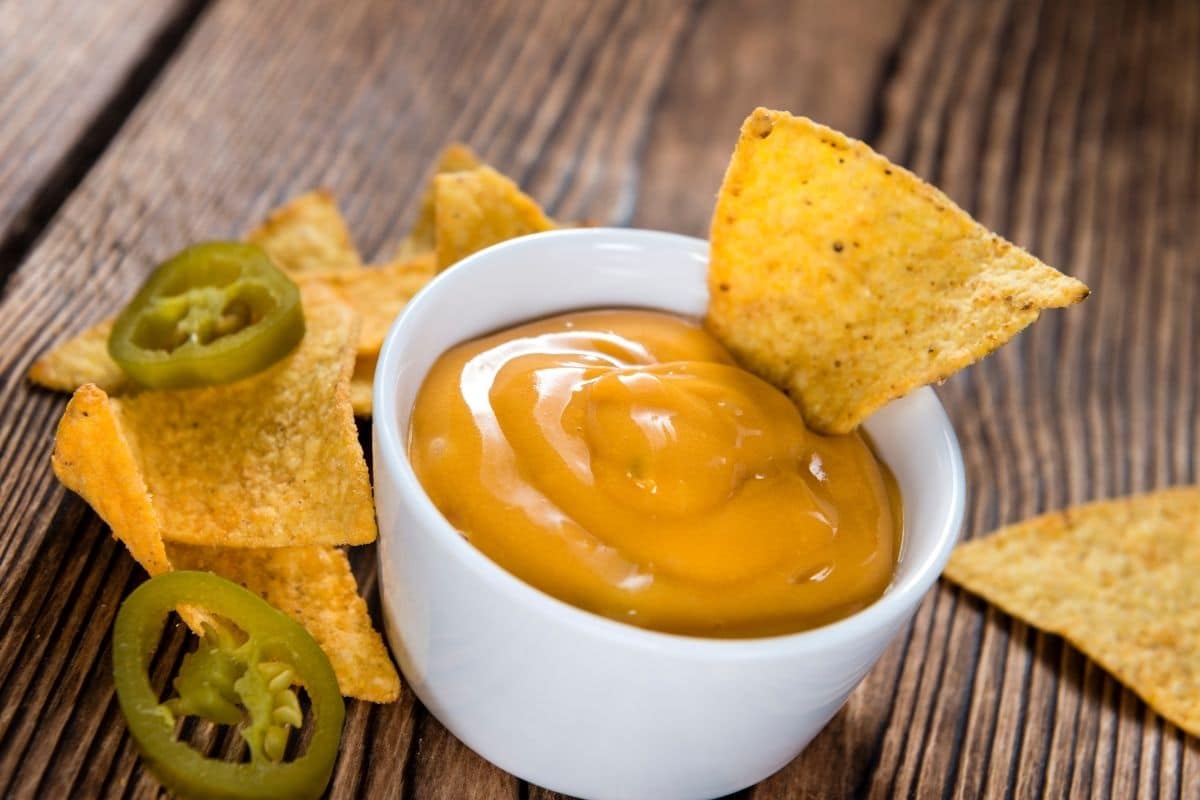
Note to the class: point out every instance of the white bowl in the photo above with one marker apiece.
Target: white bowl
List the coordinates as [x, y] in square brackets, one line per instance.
[576, 702]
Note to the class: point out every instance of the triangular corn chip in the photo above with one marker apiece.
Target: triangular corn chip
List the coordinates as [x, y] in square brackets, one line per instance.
[847, 281]
[478, 208]
[377, 294]
[93, 458]
[314, 586]
[1118, 579]
[83, 359]
[307, 233]
[455, 158]
[272, 460]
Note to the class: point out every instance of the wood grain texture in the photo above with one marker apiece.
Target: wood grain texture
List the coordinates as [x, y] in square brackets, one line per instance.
[69, 73]
[1072, 128]
[807, 57]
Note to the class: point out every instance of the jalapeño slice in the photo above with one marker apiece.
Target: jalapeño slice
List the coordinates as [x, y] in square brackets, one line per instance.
[214, 313]
[241, 676]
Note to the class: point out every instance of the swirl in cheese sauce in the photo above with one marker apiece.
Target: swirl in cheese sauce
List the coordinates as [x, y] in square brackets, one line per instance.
[623, 463]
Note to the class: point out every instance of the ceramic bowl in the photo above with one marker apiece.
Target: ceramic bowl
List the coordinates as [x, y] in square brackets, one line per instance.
[576, 702]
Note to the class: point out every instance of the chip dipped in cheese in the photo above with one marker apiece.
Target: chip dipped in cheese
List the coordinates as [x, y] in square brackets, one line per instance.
[848, 281]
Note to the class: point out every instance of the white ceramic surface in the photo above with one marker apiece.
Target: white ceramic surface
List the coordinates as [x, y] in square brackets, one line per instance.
[579, 703]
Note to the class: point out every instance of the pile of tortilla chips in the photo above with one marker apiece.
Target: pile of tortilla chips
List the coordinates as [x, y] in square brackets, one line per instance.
[466, 207]
[837, 275]
[263, 480]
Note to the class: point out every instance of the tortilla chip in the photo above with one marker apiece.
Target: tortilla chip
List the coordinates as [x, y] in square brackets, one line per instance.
[1117, 579]
[307, 233]
[362, 381]
[306, 237]
[315, 587]
[83, 359]
[377, 294]
[93, 458]
[847, 281]
[269, 461]
[479, 208]
[421, 239]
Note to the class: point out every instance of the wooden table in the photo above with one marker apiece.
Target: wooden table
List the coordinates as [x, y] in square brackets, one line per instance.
[129, 129]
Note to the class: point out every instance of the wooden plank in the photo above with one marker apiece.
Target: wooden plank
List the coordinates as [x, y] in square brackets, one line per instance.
[70, 72]
[1074, 131]
[446, 770]
[809, 57]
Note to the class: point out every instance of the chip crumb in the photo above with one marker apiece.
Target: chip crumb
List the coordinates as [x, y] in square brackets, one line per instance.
[1117, 579]
[921, 273]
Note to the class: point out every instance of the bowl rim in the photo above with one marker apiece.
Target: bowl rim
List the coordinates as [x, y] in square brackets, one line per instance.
[890, 609]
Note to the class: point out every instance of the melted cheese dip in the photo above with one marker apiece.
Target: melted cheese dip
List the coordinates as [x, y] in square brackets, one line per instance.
[623, 463]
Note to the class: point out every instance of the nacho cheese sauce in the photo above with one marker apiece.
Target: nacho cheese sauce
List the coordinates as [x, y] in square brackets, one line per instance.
[621, 462]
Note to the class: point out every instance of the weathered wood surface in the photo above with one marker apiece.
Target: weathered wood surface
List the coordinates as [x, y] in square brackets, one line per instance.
[69, 73]
[1074, 128]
